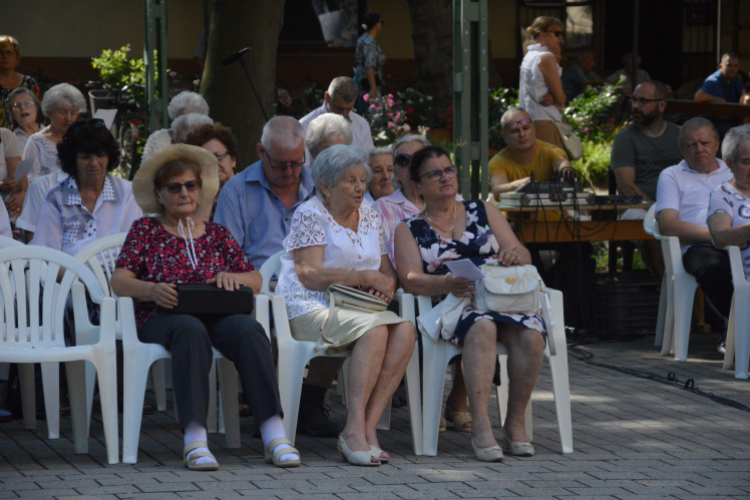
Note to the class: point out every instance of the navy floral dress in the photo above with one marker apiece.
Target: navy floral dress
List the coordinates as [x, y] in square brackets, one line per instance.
[477, 244]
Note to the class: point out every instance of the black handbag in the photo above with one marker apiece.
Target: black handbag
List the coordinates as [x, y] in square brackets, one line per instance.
[204, 300]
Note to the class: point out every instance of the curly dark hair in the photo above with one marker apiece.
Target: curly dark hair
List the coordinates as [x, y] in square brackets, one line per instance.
[87, 138]
[205, 133]
[420, 158]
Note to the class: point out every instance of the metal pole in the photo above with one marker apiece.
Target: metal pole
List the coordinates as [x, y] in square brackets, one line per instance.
[155, 61]
[634, 73]
[718, 33]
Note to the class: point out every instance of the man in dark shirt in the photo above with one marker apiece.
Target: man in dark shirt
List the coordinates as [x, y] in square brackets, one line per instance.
[578, 75]
[724, 85]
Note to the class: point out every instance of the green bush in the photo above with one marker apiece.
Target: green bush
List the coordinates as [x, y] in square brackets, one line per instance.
[593, 114]
[501, 99]
[592, 168]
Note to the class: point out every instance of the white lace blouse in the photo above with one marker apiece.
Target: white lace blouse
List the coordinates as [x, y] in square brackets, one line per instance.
[43, 154]
[312, 225]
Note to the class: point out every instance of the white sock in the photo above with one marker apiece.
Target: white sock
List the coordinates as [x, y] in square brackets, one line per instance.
[274, 428]
[196, 432]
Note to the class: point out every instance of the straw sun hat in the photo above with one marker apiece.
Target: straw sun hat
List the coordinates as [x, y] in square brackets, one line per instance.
[144, 189]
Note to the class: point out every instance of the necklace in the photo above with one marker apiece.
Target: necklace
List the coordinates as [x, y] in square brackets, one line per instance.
[453, 223]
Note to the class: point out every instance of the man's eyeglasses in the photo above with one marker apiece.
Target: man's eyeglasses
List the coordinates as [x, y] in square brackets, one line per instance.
[436, 175]
[642, 101]
[284, 166]
[176, 187]
[557, 33]
[402, 160]
[93, 122]
[22, 105]
[512, 125]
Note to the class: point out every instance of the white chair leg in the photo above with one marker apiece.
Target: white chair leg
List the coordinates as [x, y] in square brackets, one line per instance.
[28, 395]
[502, 390]
[560, 381]
[729, 353]
[742, 341]
[684, 296]
[76, 376]
[414, 396]
[136, 377]
[662, 318]
[212, 418]
[51, 384]
[291, 372]
[230, 404]
[433, 386]
[106, 372]
[90, 386]
[667, 339]
[159, 377]
[345, 381]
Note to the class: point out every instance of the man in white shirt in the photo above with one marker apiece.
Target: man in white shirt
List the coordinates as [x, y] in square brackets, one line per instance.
[682, 199]
[339, 99]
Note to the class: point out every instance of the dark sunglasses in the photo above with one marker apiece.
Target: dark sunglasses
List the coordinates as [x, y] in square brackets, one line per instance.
[402, 160]
[557, 33]
[176, 187]
[93, 122]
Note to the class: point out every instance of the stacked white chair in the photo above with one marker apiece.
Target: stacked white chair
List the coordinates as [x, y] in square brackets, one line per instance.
[437, 355]
[34, 336]
[737, 353]
[294, 356]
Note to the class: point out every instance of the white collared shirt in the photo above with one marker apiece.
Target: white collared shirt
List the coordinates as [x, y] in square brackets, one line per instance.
[35, 196]
[65, 224]
[683, 189]
[361, 134]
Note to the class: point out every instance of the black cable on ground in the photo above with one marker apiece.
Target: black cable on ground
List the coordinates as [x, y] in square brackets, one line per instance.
[671, 379]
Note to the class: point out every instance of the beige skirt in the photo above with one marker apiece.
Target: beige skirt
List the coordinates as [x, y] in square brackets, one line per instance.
[347, 326]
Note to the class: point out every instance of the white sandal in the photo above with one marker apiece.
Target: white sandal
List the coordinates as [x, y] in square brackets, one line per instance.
[275, 458]
[363, 458]
[189, 462]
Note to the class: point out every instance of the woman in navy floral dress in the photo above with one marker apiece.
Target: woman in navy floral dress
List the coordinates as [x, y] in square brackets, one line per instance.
[451, 230]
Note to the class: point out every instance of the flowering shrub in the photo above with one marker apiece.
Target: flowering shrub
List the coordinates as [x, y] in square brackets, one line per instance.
[420, 109]
[592, 114]
[387, 119]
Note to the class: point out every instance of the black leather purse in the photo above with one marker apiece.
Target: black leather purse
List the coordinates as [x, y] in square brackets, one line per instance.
[204, 300]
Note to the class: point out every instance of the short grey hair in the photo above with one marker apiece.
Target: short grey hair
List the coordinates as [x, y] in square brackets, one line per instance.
[189, 122]
[327, 126]
[332, 165]
[343, 87]
[734, 141]
[387, 150]
[506, 116]
[187, 102]
[60, 96]
[407, 138]
[285, 131]
[9, 105]
[692, 125]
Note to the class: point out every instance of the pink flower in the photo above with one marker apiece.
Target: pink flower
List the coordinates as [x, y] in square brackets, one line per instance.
[372, 107]
[391, 125]
[405, 127]
[366, 97]
[586, 130]
[390, 115]
[172, 74]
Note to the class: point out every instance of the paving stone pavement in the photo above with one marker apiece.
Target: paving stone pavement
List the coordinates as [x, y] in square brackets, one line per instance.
[633, 438]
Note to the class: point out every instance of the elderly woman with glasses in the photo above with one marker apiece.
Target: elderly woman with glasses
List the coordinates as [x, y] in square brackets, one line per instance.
[448, 230]
[89, 204]
[334, 239]
[540, 90]
[24, 113]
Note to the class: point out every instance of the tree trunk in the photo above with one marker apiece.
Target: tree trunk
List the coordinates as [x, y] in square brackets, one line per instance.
[432, 33]
[236, 24]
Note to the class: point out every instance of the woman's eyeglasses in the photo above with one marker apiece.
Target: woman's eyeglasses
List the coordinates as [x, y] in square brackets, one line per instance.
[437, 175]
[402, 160]
[176, 187]
[93, 122]
[22, 105]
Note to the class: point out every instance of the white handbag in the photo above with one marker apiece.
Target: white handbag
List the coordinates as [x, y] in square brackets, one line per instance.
[510, 290]
[352, 299]
[570, 140]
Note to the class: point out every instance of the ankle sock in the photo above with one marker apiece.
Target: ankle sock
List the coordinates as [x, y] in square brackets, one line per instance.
[196, 432]
[274, 428]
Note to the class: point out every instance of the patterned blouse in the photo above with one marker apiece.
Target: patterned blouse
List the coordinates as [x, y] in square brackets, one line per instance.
[157, 256]
[28, 83]
[368, 54]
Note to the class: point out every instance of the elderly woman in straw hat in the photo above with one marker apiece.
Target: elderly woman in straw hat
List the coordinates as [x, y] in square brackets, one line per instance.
[174, 247]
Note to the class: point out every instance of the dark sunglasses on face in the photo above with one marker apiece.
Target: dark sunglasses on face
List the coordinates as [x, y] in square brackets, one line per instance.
[93, 122]
[402, 160]
[176, 187]
[557, 33]
[436, 175]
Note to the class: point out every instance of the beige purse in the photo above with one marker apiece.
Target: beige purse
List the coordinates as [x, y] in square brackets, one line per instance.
[510, 290]
[352, 299]
[570, 140]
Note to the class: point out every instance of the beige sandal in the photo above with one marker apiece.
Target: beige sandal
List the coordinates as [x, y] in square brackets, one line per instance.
[190, 462]
[441, 426]
[461, 420]
[275, 458]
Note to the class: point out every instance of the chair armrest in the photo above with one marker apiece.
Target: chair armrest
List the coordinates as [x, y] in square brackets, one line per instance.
[738, 270]
[107, 320]
[262, 311]
[126, 313]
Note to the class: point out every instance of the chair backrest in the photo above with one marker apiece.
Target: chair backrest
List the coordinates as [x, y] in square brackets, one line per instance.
[6, 242]
[101, 257]
[269, 269]
[32, 283]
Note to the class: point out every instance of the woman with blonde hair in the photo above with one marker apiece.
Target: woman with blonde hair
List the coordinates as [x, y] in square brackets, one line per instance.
[541, 92]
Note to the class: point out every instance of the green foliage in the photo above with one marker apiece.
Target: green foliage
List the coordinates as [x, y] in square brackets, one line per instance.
[595, 162]
[592, 114]
[601, 256]
[117, 69]
[500, 100]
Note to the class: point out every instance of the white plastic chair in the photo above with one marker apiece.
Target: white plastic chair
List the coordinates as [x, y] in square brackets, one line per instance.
[437, 355]
[649, 222]
[294, 356]
[737, 353]
[39, 338]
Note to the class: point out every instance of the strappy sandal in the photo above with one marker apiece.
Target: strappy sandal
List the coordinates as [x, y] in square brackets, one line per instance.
[275, 458]
[190, 462]
[459, 419]
[379, 454]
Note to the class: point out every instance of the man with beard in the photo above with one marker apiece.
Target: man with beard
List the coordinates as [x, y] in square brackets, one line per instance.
[641, 152]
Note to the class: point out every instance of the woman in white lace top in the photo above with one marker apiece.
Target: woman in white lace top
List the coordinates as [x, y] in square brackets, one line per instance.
[333, 239]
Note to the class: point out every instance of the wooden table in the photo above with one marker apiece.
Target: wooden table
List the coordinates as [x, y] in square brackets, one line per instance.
[603, 226]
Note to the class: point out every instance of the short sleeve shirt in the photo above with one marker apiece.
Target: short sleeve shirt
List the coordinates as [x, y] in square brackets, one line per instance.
[717, 86]
[546, 156]
[648, 155]
[726, 199]
[155, 255]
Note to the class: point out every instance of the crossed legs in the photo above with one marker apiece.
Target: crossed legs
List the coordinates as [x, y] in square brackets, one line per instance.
[525, 352]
